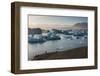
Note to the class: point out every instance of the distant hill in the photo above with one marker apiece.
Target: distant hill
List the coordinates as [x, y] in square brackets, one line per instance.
[34, 31]
[81, 25]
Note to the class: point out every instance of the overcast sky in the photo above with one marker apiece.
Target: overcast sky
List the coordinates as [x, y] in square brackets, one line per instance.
[52, 21]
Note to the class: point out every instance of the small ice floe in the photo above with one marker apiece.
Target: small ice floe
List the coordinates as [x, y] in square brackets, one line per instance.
[69, 37]
[59, 48]
[85, 37]
[80, 42]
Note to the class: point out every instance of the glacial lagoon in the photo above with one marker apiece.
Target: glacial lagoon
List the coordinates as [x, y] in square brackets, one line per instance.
[55, 45]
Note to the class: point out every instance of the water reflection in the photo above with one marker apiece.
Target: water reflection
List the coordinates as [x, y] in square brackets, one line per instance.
[57, 45]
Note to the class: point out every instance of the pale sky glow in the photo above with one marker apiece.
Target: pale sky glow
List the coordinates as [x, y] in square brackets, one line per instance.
[41, 21]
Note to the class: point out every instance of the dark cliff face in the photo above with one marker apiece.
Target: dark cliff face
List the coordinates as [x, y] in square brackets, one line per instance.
[81, 25]
[34, 31]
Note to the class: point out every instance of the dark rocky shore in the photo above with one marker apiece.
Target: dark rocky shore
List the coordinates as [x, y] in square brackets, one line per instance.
[69, 54]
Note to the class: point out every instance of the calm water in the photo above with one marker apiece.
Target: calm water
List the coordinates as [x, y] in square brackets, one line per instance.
[56, 45]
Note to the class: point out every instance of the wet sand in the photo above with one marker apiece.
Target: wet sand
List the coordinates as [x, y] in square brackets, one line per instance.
[67, 54]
